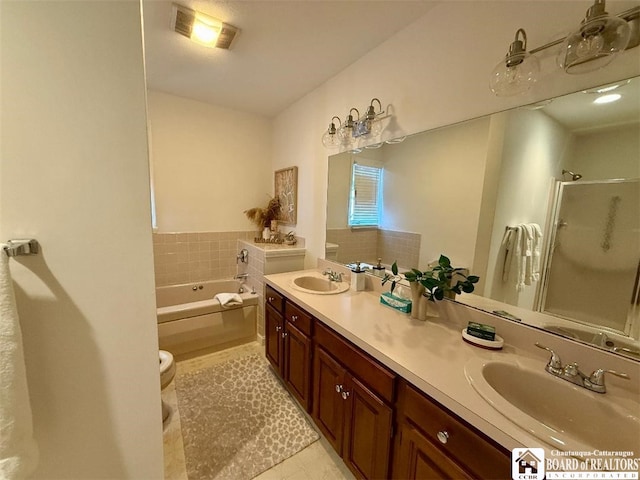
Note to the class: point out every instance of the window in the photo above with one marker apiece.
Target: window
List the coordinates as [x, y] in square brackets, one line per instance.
[364, 198]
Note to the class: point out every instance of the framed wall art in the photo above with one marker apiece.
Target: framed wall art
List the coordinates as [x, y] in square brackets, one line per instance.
[286, 189]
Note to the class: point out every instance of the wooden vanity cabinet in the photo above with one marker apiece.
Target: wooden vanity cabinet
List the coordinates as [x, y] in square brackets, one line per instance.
[273, 328]
[288, 331]
[296, 368]
[352, 404]
[433, 443]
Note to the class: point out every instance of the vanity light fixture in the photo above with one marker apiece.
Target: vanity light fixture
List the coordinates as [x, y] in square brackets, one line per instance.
[599, 39]
[517, 72]
[202, 28]
[330, 138]
[355, 128]
[347, 130]
[370, 126]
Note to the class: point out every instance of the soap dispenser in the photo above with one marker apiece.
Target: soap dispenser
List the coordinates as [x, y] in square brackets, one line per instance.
[378, 270]
[357, 278]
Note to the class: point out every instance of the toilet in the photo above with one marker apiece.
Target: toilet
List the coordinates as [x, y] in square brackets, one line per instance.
[167, 372]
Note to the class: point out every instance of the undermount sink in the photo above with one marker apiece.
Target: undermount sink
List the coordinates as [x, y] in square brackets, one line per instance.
[562, 415]
[319, 285]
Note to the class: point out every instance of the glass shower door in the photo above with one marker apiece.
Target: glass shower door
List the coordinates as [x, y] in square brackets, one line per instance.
[596, 240]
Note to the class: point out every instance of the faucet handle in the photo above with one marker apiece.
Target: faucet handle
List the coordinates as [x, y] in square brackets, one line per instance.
[597, 377]
[555, 364]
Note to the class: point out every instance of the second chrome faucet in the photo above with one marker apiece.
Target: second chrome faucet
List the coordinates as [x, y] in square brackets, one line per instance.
[571, 373]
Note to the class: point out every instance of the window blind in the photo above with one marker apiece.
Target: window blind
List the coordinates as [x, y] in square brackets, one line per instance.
[364, 205]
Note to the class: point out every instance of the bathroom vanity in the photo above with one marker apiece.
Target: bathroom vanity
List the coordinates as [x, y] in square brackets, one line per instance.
[380, 424]
[395, 397]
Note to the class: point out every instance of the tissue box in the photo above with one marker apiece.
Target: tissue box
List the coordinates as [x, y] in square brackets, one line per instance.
[397, 303]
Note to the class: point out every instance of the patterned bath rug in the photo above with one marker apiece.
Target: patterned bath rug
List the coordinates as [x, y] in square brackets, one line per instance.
[238, 420]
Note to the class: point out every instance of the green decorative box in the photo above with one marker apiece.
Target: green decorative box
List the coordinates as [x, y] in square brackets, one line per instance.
[397, 303]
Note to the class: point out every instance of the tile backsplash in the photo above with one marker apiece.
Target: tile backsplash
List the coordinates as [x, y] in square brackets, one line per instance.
[186, 257]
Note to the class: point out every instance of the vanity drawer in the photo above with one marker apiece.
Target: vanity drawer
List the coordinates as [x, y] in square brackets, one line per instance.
[468, 447]
[274, 299]
[376, 376]
[298, 317]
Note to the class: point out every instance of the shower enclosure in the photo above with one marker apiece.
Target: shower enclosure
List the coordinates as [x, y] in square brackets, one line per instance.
[593, 260]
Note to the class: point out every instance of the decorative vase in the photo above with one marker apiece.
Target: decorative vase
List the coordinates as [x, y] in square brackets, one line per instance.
[266, 233]
[417, 289]
[274, 225]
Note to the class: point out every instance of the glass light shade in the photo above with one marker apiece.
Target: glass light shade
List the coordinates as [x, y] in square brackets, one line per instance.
[330, 140]
[345, 134]
[595, 44]
[511, 77]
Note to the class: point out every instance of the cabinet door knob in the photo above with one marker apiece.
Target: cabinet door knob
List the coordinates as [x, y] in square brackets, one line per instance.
[345, 394]
[284, 334]
[278, 328]
[338, 388]
[443, 436]
[270, 299]
[294, 318]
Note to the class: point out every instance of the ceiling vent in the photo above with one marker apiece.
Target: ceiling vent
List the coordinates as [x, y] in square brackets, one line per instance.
[202, 28]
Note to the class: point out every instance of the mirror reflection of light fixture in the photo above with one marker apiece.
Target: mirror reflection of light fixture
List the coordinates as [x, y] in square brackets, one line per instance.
[517, 72]
[330, 138]
[599, 39]
[202, 28]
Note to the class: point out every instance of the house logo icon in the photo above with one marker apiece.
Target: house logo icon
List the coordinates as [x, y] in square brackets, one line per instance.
[527, 464]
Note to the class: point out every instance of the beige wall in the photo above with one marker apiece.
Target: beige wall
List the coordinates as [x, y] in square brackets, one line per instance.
[74, 175]
[434, 72]
[210, 164]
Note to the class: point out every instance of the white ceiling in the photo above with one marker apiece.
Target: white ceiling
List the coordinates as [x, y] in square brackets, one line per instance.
[284, 50]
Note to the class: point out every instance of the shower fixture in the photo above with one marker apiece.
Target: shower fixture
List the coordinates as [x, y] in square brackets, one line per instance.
[574, 176]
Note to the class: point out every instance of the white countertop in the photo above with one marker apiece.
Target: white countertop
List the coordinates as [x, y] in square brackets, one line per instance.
[429, 354]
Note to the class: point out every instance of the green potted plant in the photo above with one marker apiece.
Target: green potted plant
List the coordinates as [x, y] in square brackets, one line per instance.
[434, 284]
[438, 281]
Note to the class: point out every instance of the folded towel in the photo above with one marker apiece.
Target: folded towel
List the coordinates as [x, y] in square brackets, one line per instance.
[18, 449]
[228, 299]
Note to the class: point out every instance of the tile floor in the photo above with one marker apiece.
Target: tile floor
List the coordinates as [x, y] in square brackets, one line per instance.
[316, 462]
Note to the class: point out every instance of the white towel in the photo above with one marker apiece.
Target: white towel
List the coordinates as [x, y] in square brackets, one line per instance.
[18, 449]
[228, 299]
[522, 251]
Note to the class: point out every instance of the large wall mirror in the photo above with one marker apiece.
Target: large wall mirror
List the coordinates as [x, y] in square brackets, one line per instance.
[542, 202]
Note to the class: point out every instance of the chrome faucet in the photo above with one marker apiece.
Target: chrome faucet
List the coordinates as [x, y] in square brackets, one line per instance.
[241, 276]
[571, 373]
[333, 276]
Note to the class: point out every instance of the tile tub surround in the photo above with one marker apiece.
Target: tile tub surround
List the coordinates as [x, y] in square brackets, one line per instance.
[196, 256]
[369, 244]
[265, 259]
[432, 355]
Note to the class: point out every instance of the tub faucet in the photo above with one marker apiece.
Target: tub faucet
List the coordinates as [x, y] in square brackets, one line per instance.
[571, 373]
[241, 276]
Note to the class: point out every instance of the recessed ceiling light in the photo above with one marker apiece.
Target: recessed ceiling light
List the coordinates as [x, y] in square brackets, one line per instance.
[607, 88]
[202, 28]
[612, 97]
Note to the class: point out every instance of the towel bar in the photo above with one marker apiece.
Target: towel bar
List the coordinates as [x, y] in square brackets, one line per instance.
[29, 246]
